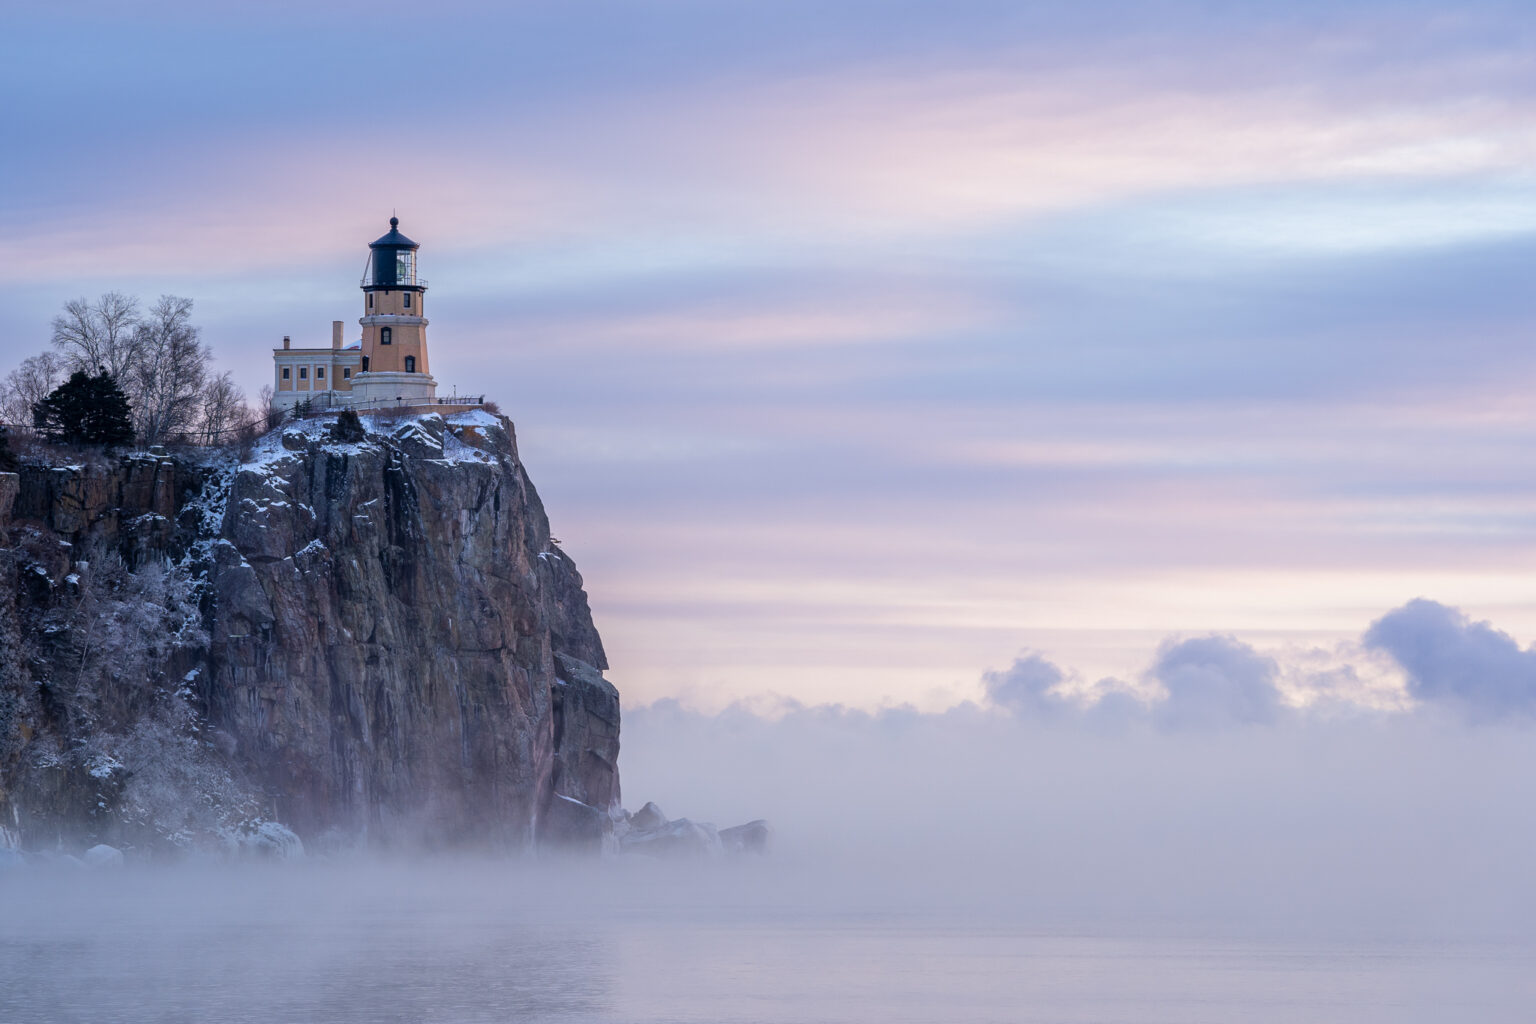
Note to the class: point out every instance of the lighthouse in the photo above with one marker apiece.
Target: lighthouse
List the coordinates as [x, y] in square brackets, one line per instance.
[387, 368]
[394, 367]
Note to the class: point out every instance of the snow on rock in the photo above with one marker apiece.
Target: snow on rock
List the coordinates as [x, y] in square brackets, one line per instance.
[648, 832]
[476, 418]
[422, 435]
[675, 839]
[749, 838]
[101, 766]
[267, 840]
[648, 817]
[397, 578]
[103, 856]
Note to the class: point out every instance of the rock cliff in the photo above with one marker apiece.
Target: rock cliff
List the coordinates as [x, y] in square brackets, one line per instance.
[369, 641]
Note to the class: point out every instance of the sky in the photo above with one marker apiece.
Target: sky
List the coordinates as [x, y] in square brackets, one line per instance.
[1168, 356]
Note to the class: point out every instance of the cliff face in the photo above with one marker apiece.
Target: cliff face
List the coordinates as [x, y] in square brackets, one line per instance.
[373, 640]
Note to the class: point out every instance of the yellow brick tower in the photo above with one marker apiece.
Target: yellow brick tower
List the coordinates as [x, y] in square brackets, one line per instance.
[394, 364]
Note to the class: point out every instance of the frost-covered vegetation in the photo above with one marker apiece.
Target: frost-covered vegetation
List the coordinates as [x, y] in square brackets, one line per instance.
[107, 662]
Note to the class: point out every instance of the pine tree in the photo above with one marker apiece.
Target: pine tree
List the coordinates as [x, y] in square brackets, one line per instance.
[348, 427]
[86, 410]
[7, 457]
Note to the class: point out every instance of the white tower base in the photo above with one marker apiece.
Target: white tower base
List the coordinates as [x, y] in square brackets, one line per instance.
[387, 389]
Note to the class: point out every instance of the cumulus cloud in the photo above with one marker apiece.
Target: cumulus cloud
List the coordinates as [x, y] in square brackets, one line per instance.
[1215, 680]
[1205, 682]
[1035, 687]
[1423, 654]
[1031, 685]
[1453, 660]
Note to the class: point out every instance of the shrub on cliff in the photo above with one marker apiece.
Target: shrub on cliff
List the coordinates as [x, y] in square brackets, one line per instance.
[86, 410]
[348, 427]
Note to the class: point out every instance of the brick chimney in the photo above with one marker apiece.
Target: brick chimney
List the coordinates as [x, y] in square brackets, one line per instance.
[336, 326]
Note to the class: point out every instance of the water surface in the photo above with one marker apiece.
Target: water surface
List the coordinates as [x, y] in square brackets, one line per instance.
[459, 942]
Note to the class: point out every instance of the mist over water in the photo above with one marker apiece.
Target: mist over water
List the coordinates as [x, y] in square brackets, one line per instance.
[966, 866]
[460, 940]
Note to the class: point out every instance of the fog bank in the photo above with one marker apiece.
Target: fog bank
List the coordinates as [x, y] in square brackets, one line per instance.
[1368, 825]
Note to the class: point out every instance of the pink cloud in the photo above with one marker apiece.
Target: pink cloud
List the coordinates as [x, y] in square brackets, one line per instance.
[860, 154]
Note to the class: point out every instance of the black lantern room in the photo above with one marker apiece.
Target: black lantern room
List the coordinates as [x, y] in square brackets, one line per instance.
[392, 262]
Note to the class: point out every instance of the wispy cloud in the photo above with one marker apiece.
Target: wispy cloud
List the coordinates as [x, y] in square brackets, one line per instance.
[905, 336]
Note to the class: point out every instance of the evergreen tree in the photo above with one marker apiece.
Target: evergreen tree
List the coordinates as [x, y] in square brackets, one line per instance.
[7, 457]
[86, 410]
[348, 427]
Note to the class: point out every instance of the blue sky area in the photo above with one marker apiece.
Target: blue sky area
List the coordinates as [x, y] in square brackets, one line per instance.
[858, 349]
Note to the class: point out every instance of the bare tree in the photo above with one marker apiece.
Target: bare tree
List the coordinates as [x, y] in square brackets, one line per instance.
[267, 407]
[100, 335]
[168, 373]
[155, 355]
[29, 384]
[223, 411]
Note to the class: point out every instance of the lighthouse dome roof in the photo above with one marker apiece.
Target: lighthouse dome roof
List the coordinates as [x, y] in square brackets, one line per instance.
[393, 240]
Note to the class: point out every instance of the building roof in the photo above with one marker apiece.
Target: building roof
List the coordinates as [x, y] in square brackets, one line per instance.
[309, 354]
[393, 240]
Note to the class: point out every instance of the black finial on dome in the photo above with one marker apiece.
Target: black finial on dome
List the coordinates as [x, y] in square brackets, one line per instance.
[394, 222]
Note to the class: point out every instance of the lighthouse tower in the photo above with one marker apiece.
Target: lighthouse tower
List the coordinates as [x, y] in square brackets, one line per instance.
[394, 367]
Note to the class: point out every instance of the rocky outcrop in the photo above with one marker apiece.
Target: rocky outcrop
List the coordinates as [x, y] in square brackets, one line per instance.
[128, 503]
[370, 641]
[649, 833]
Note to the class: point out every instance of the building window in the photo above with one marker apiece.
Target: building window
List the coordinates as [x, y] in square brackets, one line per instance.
[285, 373]
[365, 364]
[370, 300]
[384, 336]
[319, 373]
[303, 373]
[410, 364]
[407, 300]
[346, 373]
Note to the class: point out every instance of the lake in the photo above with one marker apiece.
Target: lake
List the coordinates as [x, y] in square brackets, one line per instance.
[459, 940]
